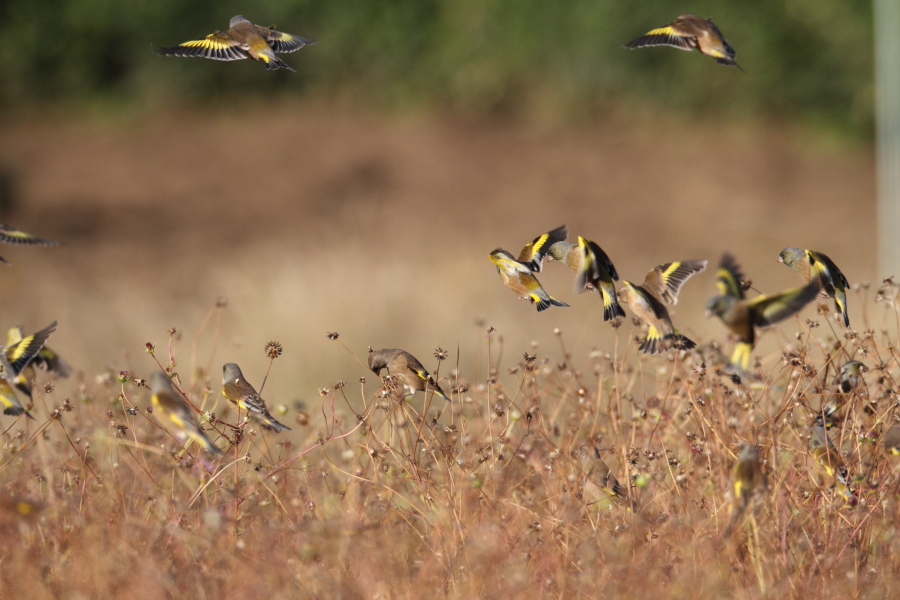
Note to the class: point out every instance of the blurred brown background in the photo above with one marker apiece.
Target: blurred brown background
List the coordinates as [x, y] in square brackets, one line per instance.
[363, 193]
[311, 219]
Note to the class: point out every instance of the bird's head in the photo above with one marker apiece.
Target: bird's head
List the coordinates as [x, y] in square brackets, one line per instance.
[230, 372]
[376, 361]
[160, 382]
[789, 256]
[718, 305]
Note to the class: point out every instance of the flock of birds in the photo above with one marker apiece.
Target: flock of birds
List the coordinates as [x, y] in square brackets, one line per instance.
[593, 269]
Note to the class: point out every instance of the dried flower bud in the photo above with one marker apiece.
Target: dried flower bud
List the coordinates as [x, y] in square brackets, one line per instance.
[273, 350]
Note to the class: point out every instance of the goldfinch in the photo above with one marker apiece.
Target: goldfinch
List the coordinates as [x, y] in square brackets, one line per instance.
[46, 359]
[686, 33]
[11, 404]
[597, 272]
[743, 316]
[171, 409]
[891, 441]
[16, 357]
[809, 265]
[519, 278]
[406, 369]
[599, 481]
[238, 391]
[242, 40]
[748, 480]
[661, 283]
[532, 255]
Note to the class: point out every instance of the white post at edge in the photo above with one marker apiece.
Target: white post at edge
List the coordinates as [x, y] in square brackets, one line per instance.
[887, 134]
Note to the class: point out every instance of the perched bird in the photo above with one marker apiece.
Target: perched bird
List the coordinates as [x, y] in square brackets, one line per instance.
[519, 278]
[891, 441]
[848, 378]
[11, 404]
[239, 392]
[532, 255]
[19, 506]
[242, 40]
[827, 455]
[749, 482]
[599, 481]
[809, 264]
[171, 407]
[406, 369]
[686, 33]
[661, 283]
[11, 235]
[46, 359]
[823, 449]
[743, 316]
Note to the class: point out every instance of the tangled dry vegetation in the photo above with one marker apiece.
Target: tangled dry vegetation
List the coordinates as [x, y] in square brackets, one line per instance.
[498, 494]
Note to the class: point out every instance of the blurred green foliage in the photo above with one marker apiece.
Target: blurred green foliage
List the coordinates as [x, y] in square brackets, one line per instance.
[804, 58]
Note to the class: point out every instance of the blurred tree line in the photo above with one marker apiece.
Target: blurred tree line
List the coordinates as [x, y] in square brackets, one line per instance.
[810, 59]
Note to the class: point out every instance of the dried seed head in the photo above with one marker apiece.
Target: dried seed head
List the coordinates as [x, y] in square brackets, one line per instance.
[221, 302]
[273, 350]
[440, 353]
[529, 358]
[333, 335]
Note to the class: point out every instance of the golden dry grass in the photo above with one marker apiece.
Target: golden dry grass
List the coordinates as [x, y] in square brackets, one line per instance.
[483, 497]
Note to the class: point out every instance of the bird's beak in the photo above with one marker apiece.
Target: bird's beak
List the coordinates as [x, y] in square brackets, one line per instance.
[781, 260]
[709, 313]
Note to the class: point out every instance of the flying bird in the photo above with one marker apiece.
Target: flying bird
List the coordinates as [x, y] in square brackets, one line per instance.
[520, 279]
[593, 271]
[810, 264]
[743, 316]
[686, 33]
[532, 255]
[662, 283]
[243, 40]
[46, 359]
[11, 235]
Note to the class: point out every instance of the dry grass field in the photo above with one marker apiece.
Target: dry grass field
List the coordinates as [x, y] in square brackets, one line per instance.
[312, 219]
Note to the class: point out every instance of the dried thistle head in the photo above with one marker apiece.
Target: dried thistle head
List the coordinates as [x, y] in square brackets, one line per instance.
[273, 350]
[333, 335]
[440, 353]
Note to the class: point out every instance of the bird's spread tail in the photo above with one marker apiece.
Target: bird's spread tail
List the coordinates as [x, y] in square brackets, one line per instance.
[545, 303]
[276, 63]
[680, 342]
[740, 358]
[15, 411]
[653, 343]
[840, 301]
[611, 307]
